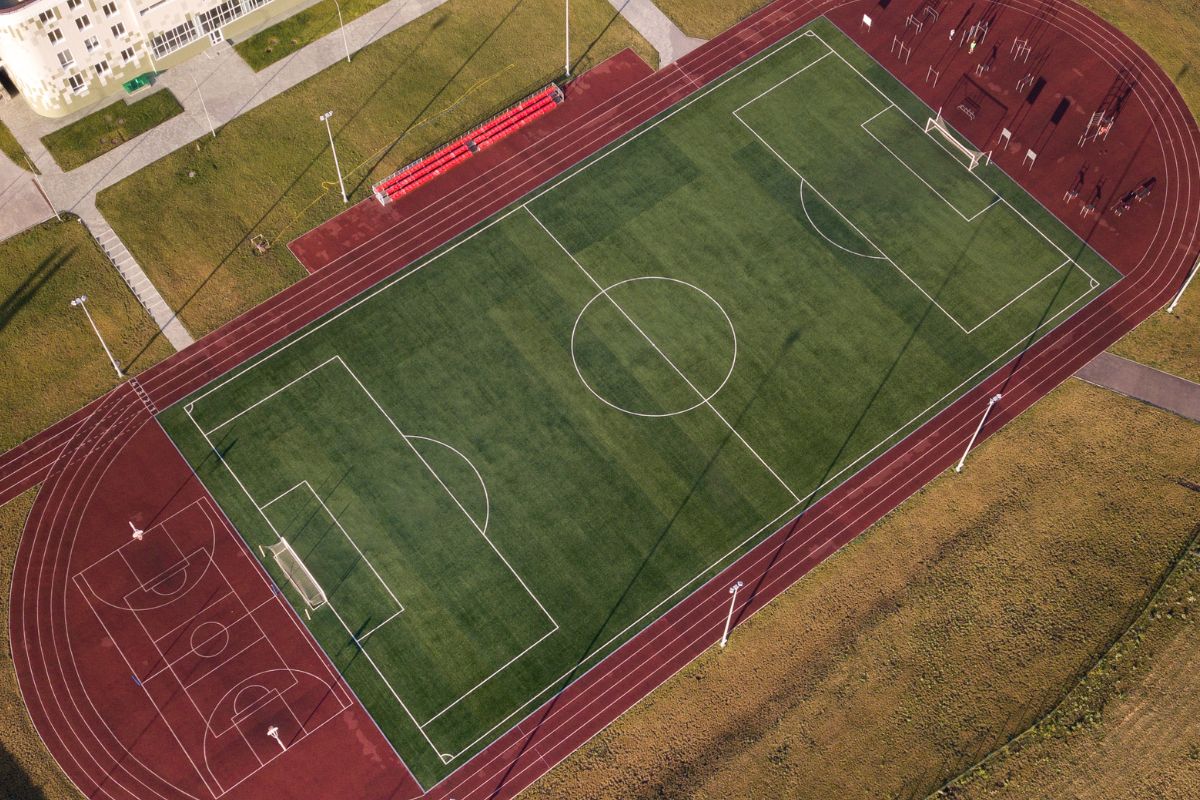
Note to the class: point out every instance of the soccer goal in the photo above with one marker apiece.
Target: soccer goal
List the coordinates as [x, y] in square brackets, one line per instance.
[297, 574]
[974, 157]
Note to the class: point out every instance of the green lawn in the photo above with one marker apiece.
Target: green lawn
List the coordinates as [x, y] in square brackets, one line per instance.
[284, 38]
[12, 148]
[502, 463]
[705, 19]
[189, 217]
[97, 133]
[50, 361]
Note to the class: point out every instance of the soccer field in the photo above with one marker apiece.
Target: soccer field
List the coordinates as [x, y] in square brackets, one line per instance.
[503, 463]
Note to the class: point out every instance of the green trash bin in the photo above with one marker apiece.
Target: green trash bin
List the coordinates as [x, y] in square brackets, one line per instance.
[140, 82]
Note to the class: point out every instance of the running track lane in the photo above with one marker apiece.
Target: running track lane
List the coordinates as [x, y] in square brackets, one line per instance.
[600, 695]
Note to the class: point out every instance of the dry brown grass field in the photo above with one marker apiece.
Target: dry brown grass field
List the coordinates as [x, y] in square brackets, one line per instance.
[27, 770]
[1130, 729]
[949, 627]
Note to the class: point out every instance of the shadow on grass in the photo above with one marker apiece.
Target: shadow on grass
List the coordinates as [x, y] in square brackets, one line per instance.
[15, 780]
[414, 122]
[29, 287]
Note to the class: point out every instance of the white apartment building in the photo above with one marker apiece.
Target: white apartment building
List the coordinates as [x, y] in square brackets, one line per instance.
[66, 55]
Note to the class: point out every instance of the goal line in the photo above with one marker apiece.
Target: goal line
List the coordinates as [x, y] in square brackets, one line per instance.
[975, 158]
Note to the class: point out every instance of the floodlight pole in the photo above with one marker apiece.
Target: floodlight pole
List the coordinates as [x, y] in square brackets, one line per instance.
[995, 399]
[80, 302]
[733, 590]
[342, 25]
[567, 18]
[204, 105]
[1186, 283]
[325, 118]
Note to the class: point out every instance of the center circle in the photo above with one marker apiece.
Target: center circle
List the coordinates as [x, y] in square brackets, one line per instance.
[654, 346]
[209, 639]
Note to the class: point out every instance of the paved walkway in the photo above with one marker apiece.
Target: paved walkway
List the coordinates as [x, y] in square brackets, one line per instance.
[1144, 383]
[215, 87]
[20, 201]
[131, 271]
[658, 29]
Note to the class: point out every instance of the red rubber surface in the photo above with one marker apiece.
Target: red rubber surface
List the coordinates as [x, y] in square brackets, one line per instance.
[117, 465]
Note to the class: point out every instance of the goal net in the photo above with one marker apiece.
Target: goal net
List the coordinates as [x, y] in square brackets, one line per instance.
[297, 574]
[937, 126]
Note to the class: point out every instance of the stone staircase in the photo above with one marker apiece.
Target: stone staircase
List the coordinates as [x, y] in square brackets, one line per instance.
[133, 275]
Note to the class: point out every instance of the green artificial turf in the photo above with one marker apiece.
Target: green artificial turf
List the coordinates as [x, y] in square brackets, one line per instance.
[509, 459]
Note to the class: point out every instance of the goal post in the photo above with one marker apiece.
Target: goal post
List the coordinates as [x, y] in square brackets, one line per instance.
[297, 574]
[937, 126]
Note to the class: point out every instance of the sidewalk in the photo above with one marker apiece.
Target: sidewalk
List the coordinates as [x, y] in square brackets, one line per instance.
[21, 202]
[1144, 383]
[658, 29]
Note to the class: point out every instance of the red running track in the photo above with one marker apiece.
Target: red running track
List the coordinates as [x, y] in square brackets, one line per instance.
[116, 462]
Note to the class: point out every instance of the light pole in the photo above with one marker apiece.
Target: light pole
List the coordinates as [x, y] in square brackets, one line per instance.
[995, 399]
[567, 18]
[81, 303]
[342, 25]
[1186, 283]
[204, 105]
[733, 590]
[325, 118]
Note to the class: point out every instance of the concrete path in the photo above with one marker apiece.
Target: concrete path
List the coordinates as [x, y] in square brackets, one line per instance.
[22, 204]
[657, 28]
[1144, 383]
[213, 88]
[133, 275]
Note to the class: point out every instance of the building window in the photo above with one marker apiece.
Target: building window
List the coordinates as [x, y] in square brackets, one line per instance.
[110, 9]
[65, 59]
[127, 55]
[249, 5]
[172, 40]
[83, 22]
[48, 16]
[54, 36]
[74, 4]
[118, 29]
[76, 82]
[91, 43]
[216, 17]
[102, 68]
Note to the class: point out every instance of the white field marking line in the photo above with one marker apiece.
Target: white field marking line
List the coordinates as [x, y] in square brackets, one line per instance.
[81, 581]
[188, 410]
[504, 215]
[1056, 315]
[487, 500]
[457, 502]
[281, 389]
[857, 230]
[1031, 287]
[832, 479]
[685, 74]
[821, 233]
[921, 178]
[773, 87]
[58, 510]
[525, 768]
[754, 62]
[704, 400]
[506, 665]
[354, 544]
[363, 638]
[485, 225]
[1024, 219]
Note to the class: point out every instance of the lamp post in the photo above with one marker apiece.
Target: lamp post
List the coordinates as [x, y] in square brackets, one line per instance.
[80, 302]
[1186, 283]
[995, 399]
[342, 25]
[325, 118]
[567, 18]
[733, 590]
